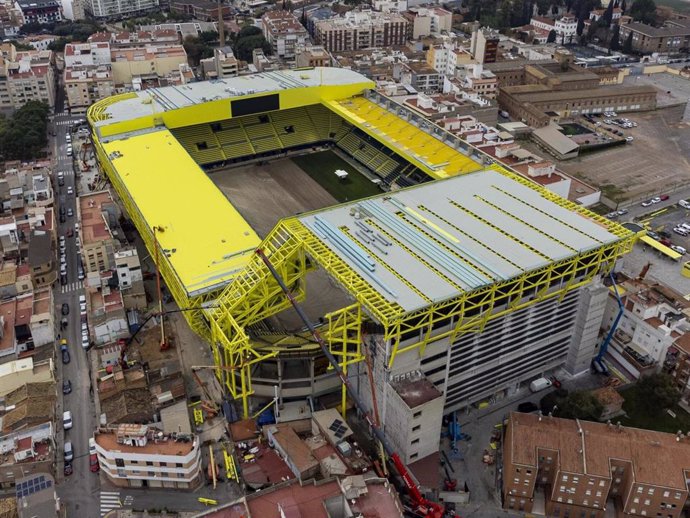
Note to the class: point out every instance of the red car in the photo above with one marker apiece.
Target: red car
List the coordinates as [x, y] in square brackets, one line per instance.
[664, 197]
[93, 463]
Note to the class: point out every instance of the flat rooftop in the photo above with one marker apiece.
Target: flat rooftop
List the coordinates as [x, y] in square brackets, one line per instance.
[156, 100]
[108, 441]
[452, 236]
[415, 391]
[207, 240]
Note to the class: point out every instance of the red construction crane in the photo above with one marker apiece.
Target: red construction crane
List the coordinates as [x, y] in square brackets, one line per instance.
[423, 506]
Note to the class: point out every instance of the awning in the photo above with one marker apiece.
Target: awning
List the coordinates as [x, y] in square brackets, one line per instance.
[661, 248]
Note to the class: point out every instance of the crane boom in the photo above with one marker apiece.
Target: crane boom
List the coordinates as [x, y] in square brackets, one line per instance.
[426, 507]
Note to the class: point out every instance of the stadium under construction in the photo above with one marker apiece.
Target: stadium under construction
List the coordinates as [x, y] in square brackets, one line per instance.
[458, 283]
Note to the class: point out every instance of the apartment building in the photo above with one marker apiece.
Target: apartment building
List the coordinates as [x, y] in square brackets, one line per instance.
[205, 10]
[423, 78]
[133, 455]
[640, 472]
[114, 9]
[565, 27]
[678, 364]
[360, 30]
[41, 11]
[312, 56]
[98, 213]
[107, 315]
[36, 496]
[431, 21]
[226, 64]
[284, 32]
[87, 54]
[672, 38]
[654, 319]
[42, 258]
[484, 44]
[25, 76]
[84, 85]
[149, 62]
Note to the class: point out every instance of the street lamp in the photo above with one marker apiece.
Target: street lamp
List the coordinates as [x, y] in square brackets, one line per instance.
[156, 246]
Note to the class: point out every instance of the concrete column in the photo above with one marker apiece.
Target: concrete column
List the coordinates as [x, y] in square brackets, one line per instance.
[586, 329]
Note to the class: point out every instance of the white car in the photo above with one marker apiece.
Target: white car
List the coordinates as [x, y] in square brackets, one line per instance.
[684, 203]
[85, 341]
[69, 452]
[67, 420]
[70, 190]
[629, 139]
[681, 231]
[656, 199]
[679, 249]
[647, 203]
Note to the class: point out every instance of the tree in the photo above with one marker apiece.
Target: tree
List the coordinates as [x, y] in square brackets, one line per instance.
[196, 49]
[623, 6]
[643, 11]
[245, 46]
[580, 26]
[551, 38]
[615, 43]
[627, 45]
[608, 14]
[659, 390]
[592, 30]
[580, 405]
[23, 136]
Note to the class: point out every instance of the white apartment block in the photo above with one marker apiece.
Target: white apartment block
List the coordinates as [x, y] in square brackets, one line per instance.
[90, 54]
[25, 76]
[128, 267]
[565, 27]
[118, 8]
[284, 32]
[429, 21]
[361, 30]
[388, 6]
[133, 455]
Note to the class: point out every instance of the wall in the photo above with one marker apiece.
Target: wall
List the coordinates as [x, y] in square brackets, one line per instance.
[585, 339]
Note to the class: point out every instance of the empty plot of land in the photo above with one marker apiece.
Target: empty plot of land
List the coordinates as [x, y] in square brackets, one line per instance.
[657, 161]
[265, 193]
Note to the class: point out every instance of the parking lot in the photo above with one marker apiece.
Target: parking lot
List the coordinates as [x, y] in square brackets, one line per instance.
[656, 162]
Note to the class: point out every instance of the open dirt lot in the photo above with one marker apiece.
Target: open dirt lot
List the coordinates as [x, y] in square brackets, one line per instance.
[265, 193]
[658, 161]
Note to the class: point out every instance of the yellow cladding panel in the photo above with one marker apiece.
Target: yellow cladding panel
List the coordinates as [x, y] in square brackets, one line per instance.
[207, 240]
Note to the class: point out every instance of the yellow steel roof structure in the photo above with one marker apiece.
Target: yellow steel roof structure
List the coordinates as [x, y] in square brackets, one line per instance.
[668, 252]
[206, 241]
[436, 158]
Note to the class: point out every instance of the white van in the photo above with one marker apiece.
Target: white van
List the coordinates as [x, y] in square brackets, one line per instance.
[540, 384]
[684, 203]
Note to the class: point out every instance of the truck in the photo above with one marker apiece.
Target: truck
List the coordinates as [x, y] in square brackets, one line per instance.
[540, 384]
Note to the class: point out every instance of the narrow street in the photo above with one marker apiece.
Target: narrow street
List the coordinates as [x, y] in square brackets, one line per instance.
[78, 490]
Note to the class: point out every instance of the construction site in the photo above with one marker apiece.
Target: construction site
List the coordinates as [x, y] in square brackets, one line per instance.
[459, 282]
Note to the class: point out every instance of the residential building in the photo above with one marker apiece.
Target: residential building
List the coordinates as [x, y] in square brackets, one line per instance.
[114, 9]
[672, 38]
[98, 213]
[442, 108]
[312, 56]
[85, 85]
[142, 38]
[388, 6]
[107, 315]
[128, 268]
[40, 11]
[89, 54]
[25, 76]
[284, 32]
[565, 27]
[39, 41]
[315, 13]
[17, 373]
[678, 364]
[205, 10]
[146, 63]
[42, 320]
[133, 455]
[27, 452]
[36, 497]
[184, 29]
[479, 81]
[42, 259]
[654, 319]
[609, 463]
[29, 406]
[423, 77]
[226, 64]
[598, 14]
[484, 44]
[428, 21]
[360, 30]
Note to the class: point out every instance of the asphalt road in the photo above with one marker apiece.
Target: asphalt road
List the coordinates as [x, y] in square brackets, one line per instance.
[78, 491]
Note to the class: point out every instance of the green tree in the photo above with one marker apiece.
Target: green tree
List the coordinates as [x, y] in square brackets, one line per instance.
[551, 38]
[245, 46]
[623, 6]
[627, 44]
[58, 45]
[580, 26]
[580, 405]
[660, 391]
[643, 11]
[23, 136]
[196, 49]
[614, 44]
[608, 14]
[592, 30]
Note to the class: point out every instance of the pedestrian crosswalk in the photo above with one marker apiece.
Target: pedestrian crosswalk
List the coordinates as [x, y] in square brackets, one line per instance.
[110, 500]
[71, 286]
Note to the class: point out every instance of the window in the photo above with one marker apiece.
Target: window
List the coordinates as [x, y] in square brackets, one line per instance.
[529, 471]
[180, 475]
[639, 489]
[598, 493]
[650, 491]
[648, 501]
[120, 463]
[667, 494]
[588, 492]
[163, 464]
[416, 429]
[149, 463]
[576, 479]
[517, 470]
[152, 474]
[415, 441]
[178, 465]
[414, 456]
[562, 489]
[516, 480]
[565, 478]
[676, 496]
[416, 415]
[602, 483]
[636, 500]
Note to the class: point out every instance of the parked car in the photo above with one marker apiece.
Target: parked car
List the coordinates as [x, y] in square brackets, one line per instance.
[67, 420]
[66, 387]
[65, 308]
[69, 452]
[684, 203]
[612, 215]
[93, 463]
[647, 203]
[656, 199]
[70, 213]
[679, 249]
[680, 231]
[629, 139]
[622, 212]
[68, 470]
[653, 235]
[664, 197]
[65, 354]
[70, 190]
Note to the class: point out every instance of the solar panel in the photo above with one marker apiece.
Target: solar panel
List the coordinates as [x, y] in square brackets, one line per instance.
[338, 428]
[32, 486]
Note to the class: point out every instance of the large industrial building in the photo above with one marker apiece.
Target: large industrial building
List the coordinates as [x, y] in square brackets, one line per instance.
[458, 283]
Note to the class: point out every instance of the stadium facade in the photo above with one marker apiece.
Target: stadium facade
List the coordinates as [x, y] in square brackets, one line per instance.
[466, 283]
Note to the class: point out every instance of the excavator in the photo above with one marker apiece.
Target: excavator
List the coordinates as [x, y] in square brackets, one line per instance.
[421, 506]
